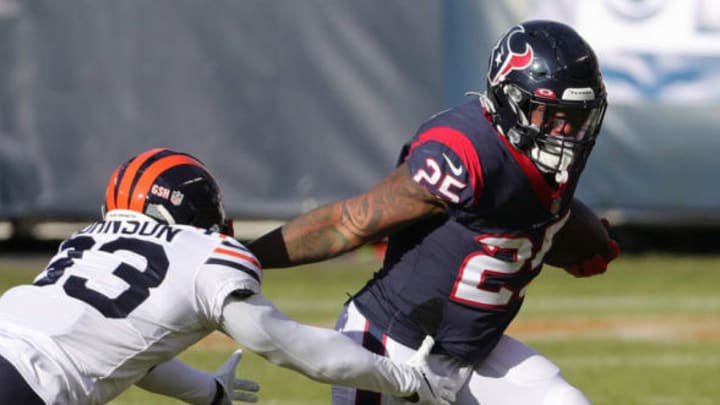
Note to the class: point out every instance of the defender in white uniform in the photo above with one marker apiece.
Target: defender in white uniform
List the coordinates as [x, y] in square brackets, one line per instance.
[124, 296]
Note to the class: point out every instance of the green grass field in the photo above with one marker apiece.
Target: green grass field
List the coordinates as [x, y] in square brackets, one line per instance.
[645, 333]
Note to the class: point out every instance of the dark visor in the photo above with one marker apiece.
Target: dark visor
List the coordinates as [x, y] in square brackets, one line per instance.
[583, 121]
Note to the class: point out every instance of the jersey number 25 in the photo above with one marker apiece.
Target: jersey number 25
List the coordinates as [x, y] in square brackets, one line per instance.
[480, 281]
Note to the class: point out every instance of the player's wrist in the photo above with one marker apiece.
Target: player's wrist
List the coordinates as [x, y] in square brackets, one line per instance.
[271, 250]
[414, 396]
[179, 380]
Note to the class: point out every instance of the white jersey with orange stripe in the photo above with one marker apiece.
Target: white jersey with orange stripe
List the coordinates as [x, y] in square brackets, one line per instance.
[119, 297]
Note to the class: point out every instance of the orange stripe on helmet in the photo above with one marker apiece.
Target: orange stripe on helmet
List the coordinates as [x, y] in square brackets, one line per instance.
[140, 192]
[122, 199]
[110, 192]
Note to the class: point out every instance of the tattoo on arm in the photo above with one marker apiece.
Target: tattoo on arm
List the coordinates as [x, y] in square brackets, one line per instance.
[341, 226]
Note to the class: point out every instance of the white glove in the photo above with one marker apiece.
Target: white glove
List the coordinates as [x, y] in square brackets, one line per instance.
[419, 359]
[236, 389]
[434, 389]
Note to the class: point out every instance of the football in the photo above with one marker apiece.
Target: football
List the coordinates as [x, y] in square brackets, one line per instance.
[582, 237]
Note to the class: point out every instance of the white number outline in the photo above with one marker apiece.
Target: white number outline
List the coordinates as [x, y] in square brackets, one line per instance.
[470, 285]
[436, 177]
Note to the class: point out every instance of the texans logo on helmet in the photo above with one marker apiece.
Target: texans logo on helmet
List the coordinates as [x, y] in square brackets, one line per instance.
[505, 59]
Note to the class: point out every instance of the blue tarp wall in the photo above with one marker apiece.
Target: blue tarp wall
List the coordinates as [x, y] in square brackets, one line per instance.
[293, 103]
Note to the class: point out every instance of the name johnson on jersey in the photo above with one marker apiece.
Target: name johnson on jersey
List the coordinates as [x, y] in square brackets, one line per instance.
[150, 229]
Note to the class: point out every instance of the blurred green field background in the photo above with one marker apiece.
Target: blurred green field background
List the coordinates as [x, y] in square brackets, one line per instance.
[645, 333]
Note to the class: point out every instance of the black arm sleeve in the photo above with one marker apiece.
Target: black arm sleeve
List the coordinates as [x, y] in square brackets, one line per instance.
[270, 249]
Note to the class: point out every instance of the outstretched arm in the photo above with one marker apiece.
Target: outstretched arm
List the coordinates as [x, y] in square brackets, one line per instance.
[326, 355]
[341, 226]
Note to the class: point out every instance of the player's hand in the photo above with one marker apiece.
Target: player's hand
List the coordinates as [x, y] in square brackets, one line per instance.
[434, 389]
[236, 389]
[598, 263]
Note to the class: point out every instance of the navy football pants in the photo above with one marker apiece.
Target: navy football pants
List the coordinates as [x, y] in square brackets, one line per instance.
[13, 388]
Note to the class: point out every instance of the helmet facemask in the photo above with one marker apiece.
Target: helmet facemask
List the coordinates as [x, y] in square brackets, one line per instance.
[555, 134]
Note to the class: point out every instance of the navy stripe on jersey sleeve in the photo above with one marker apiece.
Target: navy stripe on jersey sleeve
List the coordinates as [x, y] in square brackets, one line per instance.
[233, 244]
[235, 265]
[232, 254]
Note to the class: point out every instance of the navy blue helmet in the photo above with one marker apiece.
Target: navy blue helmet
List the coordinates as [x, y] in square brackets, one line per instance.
[546, 94]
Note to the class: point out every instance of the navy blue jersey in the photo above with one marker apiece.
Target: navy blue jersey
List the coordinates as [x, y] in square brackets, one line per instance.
[462, 276]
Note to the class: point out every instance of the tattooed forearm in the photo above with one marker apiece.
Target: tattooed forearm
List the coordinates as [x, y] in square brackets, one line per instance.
[315, 236]
[339, 227]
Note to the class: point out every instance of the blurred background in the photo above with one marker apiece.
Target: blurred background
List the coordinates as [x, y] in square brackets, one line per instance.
[293, 103]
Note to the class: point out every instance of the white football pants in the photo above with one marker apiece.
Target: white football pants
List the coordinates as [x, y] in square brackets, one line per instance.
[513, 373]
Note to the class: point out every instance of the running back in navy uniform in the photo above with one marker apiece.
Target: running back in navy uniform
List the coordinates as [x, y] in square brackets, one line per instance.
[500, 209]
[469, 212]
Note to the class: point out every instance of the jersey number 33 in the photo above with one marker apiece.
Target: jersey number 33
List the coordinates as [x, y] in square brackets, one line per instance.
[140, 281]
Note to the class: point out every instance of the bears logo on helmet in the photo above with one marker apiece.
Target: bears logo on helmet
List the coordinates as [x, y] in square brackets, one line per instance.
[169, 186]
